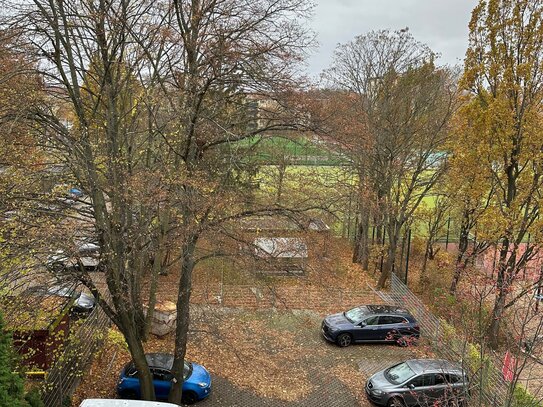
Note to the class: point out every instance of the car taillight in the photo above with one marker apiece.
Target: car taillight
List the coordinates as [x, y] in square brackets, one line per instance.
[416, 328]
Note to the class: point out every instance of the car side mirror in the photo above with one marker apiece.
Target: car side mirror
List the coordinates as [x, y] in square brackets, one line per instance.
[411, 386]
[362, 324]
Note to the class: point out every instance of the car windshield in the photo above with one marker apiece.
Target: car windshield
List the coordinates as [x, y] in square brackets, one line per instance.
[187, 371]
[399, 373]
[356, 315]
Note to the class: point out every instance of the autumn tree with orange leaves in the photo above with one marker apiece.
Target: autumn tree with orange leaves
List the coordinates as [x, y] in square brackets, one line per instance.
[405, 103]
[502, 124]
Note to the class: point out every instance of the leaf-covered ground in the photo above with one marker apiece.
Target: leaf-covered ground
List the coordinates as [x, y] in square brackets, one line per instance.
[272, 358]
[263, 353]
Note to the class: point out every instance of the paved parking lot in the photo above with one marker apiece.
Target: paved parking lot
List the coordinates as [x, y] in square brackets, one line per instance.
[263, 358]
[330, 393]
[336, 375]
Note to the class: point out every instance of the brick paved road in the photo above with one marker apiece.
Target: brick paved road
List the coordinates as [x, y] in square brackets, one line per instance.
[332, 394]
[328, 389]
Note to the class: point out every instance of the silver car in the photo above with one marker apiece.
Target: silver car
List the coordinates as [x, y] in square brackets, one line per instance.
[424, 382]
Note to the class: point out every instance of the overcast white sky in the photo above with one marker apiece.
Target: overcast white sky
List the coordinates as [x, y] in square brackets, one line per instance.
[442, 24]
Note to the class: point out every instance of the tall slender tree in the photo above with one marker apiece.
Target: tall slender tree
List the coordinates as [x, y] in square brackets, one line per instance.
[149, 107]
[504, 77]
[11, 384]
[407, 102]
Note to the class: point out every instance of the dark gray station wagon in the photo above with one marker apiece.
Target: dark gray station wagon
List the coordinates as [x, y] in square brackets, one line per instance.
[424, 382]
[371, 323]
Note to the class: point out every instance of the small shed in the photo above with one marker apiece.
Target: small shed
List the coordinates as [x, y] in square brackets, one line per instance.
[39, 327]
[280, 255]
[314, 230]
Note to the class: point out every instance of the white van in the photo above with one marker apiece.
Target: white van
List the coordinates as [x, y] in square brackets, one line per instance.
[123, 403]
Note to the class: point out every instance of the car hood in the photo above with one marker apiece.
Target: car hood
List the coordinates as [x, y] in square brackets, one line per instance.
[379, 381]
[199, 375]
[337, 320]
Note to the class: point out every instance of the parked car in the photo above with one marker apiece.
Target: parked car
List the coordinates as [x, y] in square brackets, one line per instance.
[123, 403]
[83, 303]
[371, 323]
[87, 257]
[425, 382]
[196, 384]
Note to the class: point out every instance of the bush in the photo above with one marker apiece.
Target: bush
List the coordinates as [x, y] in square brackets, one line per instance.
[11, 384]
[115, 338]
[523, 398]
[33, 398]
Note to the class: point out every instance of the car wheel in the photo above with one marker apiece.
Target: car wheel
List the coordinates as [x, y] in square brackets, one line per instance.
[395, 402]
[402, 341]
[129, 394]
[344, 340]
[189, 397]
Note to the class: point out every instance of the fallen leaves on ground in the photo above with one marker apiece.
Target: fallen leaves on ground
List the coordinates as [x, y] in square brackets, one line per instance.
[353, 379]
[247, 352]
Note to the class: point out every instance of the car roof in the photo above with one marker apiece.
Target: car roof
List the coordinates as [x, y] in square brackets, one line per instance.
[434, 366]
[386, 309]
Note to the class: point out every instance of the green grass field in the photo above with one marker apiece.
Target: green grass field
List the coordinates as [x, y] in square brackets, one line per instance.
[327, 183]
[293, 151]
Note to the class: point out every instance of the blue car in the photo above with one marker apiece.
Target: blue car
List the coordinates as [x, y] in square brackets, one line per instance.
[196, 386]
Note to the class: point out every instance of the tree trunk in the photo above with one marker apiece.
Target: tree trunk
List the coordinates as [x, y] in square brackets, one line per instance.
[427, 253]
[458, 269]
[157, 270]
[152, 294]
[183, 318]
[361, 252]
[378, 232]
[379, 240]
[138, 357]
[391, 257]
[460, 264]
[502, 286]
[493, 332]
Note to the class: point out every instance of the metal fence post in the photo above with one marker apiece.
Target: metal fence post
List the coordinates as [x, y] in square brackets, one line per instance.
[407, 255]
[448, 230]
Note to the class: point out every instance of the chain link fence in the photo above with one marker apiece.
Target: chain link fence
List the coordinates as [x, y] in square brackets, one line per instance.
[318, 298]
[486, 380]
[77, 354]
